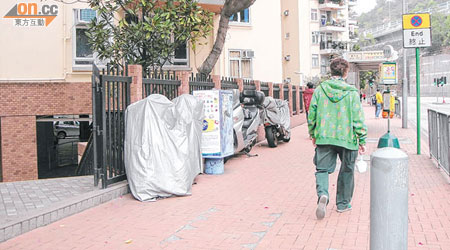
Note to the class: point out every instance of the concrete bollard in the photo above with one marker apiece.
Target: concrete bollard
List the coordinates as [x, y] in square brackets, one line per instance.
[389, 199]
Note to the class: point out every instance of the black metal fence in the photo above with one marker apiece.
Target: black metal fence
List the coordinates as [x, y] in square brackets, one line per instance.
[302, 108]
[439, 138]
[294, 99]
[200, 82]
[286, 92]
[110, 98]
[265, 88]
[249, 85]
[160, 82]
[229, 83]
[276, 91]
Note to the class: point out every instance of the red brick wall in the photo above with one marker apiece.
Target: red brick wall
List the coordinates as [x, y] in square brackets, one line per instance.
[20, 103]
[19, 156]
[45, 98]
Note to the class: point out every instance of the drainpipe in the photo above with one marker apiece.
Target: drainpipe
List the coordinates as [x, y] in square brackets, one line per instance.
[65, 39]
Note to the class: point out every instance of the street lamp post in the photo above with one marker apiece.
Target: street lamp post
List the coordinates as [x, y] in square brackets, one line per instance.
[405, 81]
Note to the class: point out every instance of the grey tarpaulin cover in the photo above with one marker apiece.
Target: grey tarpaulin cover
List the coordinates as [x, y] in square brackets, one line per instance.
[162, 146]
[277, 112]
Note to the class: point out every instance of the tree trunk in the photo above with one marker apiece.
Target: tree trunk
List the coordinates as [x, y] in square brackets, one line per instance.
[214, 55]
[229, 8]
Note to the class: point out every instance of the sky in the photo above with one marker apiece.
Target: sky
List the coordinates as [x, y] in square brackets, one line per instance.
[364, 6]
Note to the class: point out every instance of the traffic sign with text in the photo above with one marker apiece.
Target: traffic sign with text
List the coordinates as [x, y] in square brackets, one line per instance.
[416, 30]
[416, 38]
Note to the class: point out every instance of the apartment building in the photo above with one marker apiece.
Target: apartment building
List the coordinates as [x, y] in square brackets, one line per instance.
[252, 48]
[314, 32]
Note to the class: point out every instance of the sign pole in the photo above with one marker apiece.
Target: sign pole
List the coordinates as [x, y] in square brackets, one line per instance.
[418, 98]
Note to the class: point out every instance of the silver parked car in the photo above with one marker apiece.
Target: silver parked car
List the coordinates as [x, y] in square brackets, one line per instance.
[65, 129]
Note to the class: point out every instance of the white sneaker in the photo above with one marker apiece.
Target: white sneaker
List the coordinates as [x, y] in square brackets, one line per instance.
[321, 207]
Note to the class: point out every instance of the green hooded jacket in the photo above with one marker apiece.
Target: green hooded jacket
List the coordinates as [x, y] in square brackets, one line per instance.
[336, 116]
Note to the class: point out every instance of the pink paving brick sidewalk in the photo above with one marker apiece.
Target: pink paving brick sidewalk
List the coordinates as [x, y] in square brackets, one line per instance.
[264, 202]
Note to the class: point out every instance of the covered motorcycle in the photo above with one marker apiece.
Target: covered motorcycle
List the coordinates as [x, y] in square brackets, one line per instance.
[277, 121]
[162, 146]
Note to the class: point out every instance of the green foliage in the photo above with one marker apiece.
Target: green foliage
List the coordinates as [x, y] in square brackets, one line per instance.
[146, 32]
[393, 9]
[440, 25]
[424, 5]
[367, 77]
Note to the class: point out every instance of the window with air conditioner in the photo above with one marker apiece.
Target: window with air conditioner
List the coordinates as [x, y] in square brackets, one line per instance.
[241, 63]
[82, 54]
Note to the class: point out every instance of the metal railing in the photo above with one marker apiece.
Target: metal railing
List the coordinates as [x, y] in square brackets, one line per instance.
[276, 91]
[294, 99]
[331, 1]
[286, 92]
[301, 101]
[160, 82]
[249, 85]
[439, 138]
[110, 98]
[265, 88]
[200, 82]
[329, 23]
[335, 45]
[229, 83]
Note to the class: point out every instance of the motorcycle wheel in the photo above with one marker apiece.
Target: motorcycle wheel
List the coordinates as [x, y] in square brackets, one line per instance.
[287, 139]
[271, 137]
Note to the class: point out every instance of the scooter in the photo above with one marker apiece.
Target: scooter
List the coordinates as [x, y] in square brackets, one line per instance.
[247, 118]
[277, 121]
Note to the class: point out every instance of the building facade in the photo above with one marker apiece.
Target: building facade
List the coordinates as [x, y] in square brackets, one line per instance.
[314, 32]
[252, 48]
[45, 71]
[46, 67]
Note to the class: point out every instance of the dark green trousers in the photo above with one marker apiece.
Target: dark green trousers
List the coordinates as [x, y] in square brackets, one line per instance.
[325, 161]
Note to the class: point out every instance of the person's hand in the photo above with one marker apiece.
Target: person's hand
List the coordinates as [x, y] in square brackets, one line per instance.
[362, 149]
[314, 142]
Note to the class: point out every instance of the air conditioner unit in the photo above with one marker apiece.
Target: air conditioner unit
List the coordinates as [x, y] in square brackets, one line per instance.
[248, 54]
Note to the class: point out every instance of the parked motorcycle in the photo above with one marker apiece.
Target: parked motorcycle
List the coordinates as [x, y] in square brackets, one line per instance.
[247, 118]
[277, 121]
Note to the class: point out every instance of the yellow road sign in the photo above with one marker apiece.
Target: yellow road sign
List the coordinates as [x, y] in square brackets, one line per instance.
[416, 21]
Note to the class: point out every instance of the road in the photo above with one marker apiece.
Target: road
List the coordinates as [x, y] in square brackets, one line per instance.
[425, 104]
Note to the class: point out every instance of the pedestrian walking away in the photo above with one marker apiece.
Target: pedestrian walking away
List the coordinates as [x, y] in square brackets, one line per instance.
[336, 124]
[379, 102]
[307, 95]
